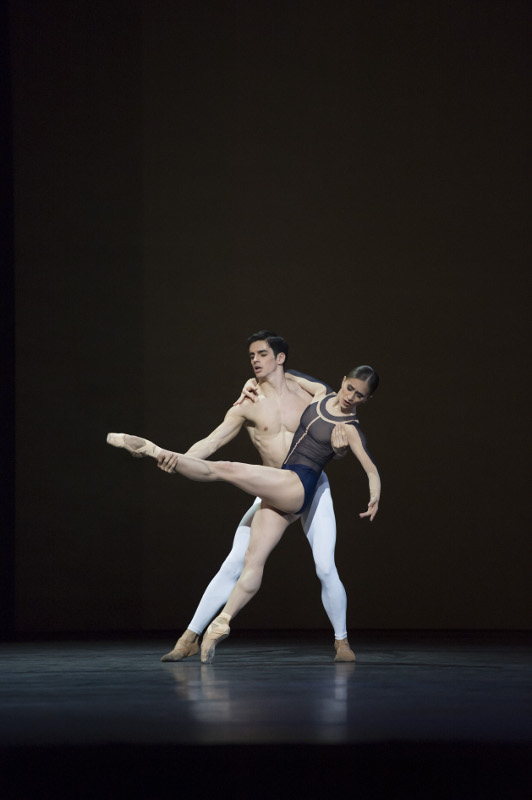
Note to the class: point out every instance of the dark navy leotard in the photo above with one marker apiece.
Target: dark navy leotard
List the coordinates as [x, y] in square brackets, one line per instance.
[311, 448]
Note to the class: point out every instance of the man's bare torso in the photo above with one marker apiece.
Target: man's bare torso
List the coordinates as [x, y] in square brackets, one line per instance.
[272, 420]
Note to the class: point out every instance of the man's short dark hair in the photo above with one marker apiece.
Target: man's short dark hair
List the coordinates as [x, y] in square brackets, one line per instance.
[277, 343]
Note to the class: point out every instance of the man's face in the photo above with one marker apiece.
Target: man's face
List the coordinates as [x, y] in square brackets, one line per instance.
[352, 393]
[263, 360]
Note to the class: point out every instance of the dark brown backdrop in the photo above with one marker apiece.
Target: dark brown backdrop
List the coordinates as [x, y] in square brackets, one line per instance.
[350, 174]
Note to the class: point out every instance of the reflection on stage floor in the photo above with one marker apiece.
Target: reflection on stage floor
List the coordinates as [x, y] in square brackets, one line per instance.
[411, 704]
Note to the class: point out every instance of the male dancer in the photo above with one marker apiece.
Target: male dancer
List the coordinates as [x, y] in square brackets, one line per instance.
[271, 420]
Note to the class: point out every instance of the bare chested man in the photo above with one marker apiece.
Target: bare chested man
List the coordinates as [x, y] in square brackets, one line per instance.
[271, 421]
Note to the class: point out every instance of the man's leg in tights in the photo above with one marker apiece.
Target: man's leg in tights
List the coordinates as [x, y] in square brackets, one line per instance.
[217, 592]
[319, 524]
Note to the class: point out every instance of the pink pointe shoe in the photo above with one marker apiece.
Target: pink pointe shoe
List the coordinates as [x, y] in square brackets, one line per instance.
[217, 631]
[134, 444]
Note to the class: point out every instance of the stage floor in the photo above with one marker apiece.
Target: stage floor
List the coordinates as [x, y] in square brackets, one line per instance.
[443, 713]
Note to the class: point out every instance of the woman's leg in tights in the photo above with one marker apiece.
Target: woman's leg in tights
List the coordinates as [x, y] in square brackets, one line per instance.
[279, 488]
[267, 529]
[219, 589]
[217, 592]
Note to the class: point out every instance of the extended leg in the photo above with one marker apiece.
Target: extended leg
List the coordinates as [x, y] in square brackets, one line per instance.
[267, 529]
[277, 487]
[217, 592]
[319, 524]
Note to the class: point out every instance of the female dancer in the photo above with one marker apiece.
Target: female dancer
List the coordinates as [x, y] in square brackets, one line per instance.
[286, 492]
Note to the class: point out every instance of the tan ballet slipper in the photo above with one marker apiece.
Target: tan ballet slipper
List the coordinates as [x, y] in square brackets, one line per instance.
[184, 648]
[343, 651]
[217, 631]
[138, 447]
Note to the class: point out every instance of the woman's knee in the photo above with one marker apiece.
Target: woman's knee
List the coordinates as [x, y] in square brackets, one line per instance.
[223, 470]
[251, 577]
[253, 559]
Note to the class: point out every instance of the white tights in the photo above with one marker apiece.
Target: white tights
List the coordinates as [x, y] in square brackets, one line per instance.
[319, 525]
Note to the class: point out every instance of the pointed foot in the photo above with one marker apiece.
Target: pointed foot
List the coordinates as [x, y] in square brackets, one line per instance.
[138, 447]
[217, 631]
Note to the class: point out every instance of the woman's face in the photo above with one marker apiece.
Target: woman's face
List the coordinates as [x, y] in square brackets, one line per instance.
[352, 392]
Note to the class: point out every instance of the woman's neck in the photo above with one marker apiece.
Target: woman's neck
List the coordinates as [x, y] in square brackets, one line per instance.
[336, 410]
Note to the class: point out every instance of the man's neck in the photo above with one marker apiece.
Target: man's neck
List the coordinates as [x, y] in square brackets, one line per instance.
[275, 383]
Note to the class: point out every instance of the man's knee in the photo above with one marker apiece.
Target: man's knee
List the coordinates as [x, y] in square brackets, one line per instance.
[326, 571]
[232, 567]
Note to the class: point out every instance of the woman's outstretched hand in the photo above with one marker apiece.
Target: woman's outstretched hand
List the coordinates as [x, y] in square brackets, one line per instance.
[167, 461]
[373, 507]
[250, 391]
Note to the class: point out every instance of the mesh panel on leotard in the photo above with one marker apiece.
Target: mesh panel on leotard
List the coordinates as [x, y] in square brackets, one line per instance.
[311, 445]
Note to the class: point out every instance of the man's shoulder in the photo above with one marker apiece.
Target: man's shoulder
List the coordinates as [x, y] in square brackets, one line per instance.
[248, 410]
[296, 390]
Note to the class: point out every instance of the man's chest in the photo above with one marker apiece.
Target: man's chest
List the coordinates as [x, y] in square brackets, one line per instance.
[274, 416]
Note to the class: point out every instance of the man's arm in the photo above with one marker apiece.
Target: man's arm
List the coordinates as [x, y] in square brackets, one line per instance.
[315, 388]
[232, 424]
[220, 436]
